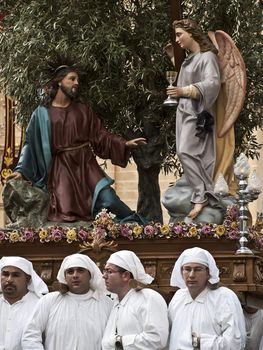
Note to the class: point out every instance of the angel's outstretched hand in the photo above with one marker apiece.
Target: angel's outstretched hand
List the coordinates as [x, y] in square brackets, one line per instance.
[136, 142]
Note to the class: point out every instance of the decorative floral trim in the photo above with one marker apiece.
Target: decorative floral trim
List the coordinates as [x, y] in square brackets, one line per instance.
[105, 227]
[256, 232]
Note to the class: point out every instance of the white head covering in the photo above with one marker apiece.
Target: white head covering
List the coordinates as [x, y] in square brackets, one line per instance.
[80, 260]
[36, 284]
[130, 262]
[194, 255]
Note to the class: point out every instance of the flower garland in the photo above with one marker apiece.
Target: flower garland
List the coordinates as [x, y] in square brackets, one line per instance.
[105, 226]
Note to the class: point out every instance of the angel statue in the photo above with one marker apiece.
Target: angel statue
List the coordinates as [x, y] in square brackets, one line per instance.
[211, 90]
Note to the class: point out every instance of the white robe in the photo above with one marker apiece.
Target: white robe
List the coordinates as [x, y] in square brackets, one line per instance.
[197, 155]
[215, 316]
[261, 344]
[254, 328]
[141, 319]
[13, 319]
[68, 322]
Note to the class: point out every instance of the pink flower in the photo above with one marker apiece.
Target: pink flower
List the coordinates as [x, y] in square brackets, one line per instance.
[149, 231]
[126, 232]
[260, 242]
[227, 222]
[177, 229]
[206, 229]
[27, 235]
[233, 234]
[82, 235]
[2, 236]
[234, 211]
[56, 234]
[100, 232]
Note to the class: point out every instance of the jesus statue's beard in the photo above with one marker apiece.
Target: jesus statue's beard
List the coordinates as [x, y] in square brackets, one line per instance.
[69, 92]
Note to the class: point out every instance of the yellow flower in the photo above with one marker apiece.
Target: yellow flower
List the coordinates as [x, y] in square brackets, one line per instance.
[71, 234]
[14, 236]
[113, 230]
[193, 231]
[42, 234]
[137, 230]
[234, 224]
[165, 229]
[220, 230]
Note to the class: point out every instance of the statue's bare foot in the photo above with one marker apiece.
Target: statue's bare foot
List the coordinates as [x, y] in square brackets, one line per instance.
[198, 207]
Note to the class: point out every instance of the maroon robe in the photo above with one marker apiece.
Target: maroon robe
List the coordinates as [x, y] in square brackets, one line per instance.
[75, 173]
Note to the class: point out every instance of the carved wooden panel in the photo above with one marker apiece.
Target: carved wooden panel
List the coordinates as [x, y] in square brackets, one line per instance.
[244, 273]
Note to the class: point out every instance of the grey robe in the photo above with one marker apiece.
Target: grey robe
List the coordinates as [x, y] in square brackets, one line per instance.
[197, 155]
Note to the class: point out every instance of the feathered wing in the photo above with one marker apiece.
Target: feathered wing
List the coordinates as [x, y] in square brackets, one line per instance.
[233, 78]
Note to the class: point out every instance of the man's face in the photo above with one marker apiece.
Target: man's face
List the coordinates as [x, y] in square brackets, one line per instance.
[195, 277]
[78, 280]
[69, 84]
[14, 283]
[114, 278]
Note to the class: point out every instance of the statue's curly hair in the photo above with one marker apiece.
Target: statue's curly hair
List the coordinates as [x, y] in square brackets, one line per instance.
[51, 86]
[198, 35]
[52, 72]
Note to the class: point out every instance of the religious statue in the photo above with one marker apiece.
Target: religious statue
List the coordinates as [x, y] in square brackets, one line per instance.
[211, 89]
[58, 177]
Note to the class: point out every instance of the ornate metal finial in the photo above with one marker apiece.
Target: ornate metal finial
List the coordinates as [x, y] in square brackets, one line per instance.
[221, 187]
[242, 167]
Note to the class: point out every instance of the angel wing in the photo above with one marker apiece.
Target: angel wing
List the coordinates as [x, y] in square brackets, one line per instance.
[233, 77]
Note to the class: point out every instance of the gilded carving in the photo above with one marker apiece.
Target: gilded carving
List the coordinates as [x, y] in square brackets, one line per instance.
[150, 268]
[239, 271]
[46, 272]
[259, 271]
[98, 243]
[224, 271]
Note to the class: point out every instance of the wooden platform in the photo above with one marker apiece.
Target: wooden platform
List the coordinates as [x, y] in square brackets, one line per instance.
[242, 273]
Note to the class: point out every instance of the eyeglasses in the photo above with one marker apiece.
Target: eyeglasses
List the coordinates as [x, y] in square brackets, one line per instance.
[109, 272]
[188, 269]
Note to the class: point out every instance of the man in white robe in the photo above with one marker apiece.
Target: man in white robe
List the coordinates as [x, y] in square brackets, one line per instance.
[21, 290]
[74, 318]
[203, 315]
[254, 327]
[139, 317]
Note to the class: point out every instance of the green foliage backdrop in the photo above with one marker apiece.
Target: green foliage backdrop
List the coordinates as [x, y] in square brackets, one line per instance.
[119, 45]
